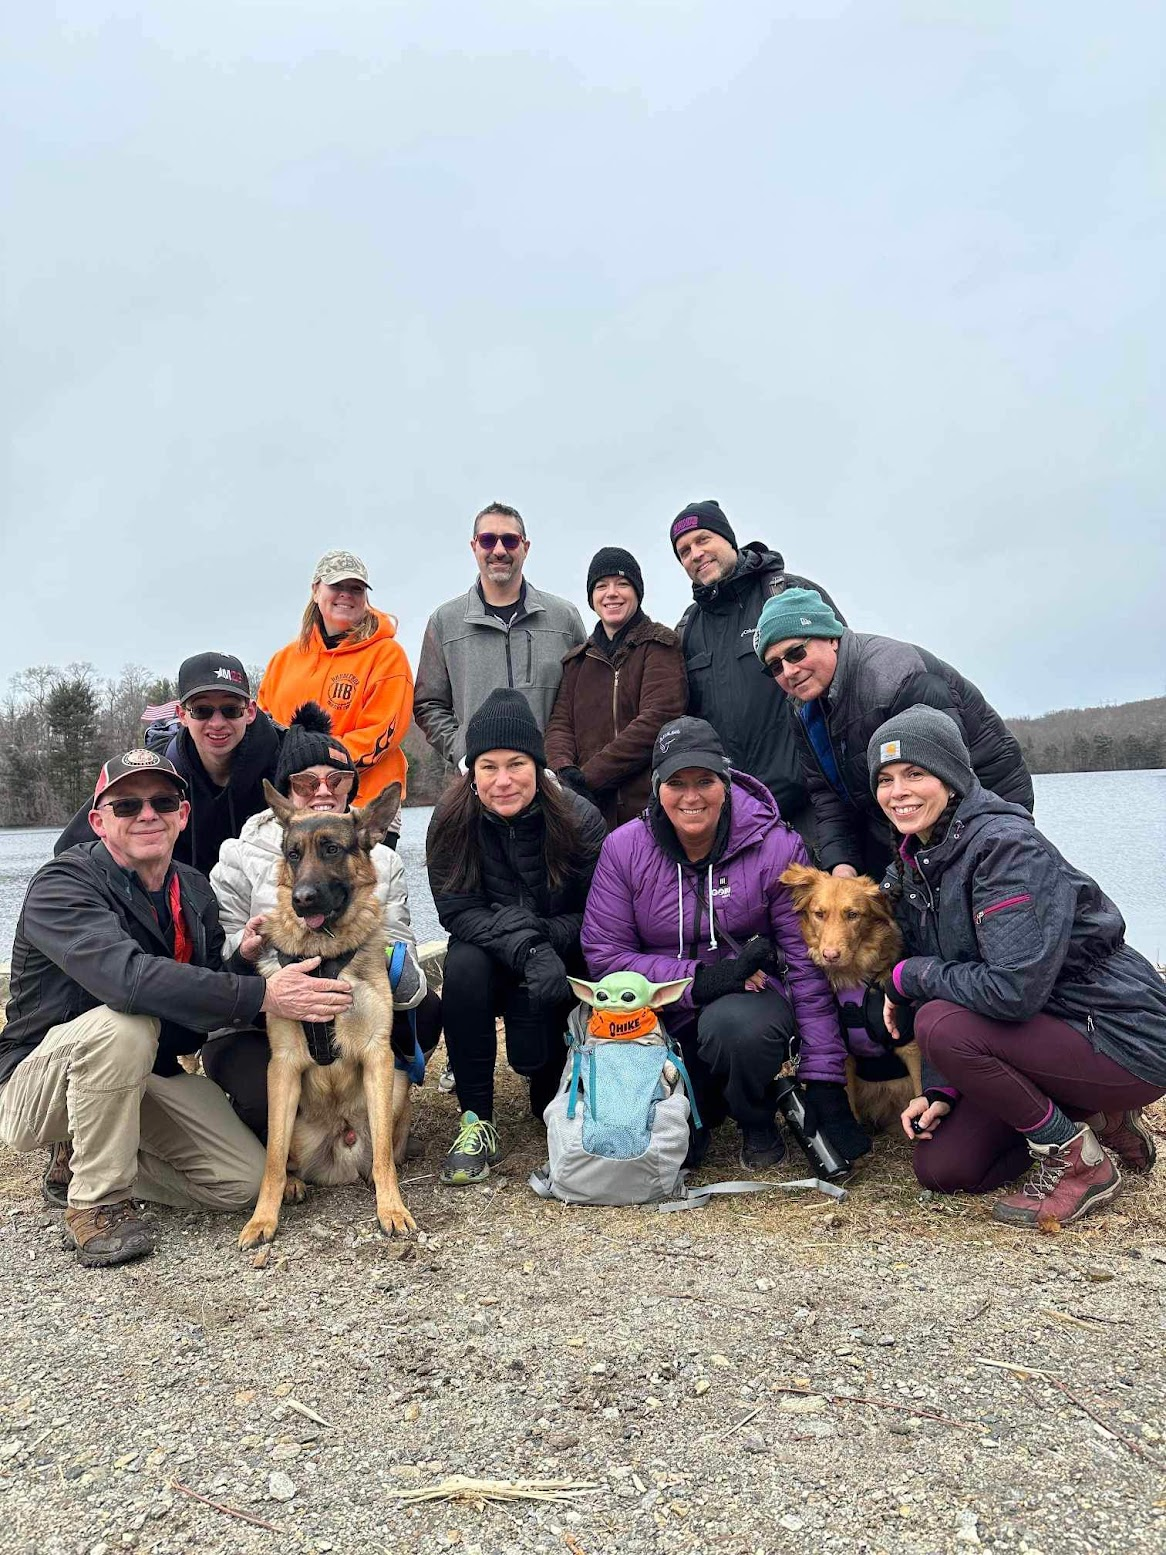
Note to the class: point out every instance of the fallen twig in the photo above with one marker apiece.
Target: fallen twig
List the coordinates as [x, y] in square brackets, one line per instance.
[459, 1488]
[752, 1415]
[308, 1414]
[881, 1403]
[1067, 1317]
[1029, 1373]
[219, 1506]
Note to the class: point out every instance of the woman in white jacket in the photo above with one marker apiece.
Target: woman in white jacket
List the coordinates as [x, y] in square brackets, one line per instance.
[315, 772]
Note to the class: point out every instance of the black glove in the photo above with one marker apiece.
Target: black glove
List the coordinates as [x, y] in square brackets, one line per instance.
[545, 977]
[830, 1105]
[517, 929]
[573, 778]
[711, 982]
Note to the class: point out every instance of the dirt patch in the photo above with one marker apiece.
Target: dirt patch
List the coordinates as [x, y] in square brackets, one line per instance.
[766, 1374]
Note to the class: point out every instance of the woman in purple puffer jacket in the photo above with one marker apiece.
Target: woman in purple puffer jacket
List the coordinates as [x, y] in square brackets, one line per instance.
[692, 888]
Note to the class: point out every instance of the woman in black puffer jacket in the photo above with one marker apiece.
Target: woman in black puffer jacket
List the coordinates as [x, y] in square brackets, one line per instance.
[510, 856]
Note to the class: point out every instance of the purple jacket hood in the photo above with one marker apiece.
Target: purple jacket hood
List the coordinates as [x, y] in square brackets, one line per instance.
[647, 913]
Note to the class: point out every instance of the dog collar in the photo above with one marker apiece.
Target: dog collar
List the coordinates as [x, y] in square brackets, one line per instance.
[622, 1026]
[319, 1033]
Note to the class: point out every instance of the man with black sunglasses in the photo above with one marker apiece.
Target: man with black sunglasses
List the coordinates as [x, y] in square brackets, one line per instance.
[223, 748]
[117, 969]
[841, 686]
[503, 634]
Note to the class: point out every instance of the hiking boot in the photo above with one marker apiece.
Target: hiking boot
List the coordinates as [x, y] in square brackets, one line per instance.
[446, 1081]
[107, 1234]
[472, 1153]
[1128, 1137]
[762, 1147]
[1066, 1182]
[58, 1175]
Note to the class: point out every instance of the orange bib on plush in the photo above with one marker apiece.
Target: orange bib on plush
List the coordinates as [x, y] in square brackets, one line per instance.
[622, 1025]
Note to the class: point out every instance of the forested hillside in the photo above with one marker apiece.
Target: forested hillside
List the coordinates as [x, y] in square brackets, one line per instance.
[1095, 739]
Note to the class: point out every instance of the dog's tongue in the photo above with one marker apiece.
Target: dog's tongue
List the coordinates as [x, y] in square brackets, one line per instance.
[314, 920]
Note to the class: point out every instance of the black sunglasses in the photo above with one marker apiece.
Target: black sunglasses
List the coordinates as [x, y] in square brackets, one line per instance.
[488, 541]
[124, 809]
[231, 710]
[774, 666]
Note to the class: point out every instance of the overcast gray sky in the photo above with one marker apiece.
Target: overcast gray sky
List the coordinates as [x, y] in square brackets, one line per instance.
[885, 279]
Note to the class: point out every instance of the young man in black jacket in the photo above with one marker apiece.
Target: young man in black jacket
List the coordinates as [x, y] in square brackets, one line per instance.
[116, 970]
[223, 750]
[730, 584]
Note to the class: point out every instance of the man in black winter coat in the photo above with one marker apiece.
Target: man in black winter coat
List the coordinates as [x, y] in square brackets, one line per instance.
[841, 686]
[730, 584]
[117, 970]
[223, 751]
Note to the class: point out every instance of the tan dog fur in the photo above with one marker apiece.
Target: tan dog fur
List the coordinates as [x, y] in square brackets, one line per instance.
[852, 936]
[311, 1108]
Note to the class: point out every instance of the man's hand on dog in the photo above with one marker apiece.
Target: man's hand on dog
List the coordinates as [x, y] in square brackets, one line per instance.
[921, 1117]
[296, 996]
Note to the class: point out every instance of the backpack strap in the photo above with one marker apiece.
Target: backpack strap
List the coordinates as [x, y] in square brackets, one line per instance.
[695, 1198]
[576, 1075]
[678, 1063]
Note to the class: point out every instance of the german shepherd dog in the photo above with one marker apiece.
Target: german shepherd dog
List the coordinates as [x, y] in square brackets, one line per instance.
[337, 1108]
[852, 936]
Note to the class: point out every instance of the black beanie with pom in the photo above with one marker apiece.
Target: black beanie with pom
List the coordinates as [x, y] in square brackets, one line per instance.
[309, 742]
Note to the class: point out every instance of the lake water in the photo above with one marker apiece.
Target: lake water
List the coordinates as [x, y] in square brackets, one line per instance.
[1110, 824]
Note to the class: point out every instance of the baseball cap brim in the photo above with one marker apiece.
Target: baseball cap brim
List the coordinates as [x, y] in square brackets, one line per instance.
[333, 578]
[176, 778]
[216, 686]
[711, 761]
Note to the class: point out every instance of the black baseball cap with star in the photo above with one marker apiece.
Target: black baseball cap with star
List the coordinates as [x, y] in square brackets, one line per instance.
[212, 672]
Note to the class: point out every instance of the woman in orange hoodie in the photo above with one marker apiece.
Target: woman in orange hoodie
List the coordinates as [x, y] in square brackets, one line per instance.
[347, 658]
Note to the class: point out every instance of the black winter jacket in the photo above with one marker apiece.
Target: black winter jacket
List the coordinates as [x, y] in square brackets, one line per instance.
[514, 875]
[87, 935]
[215, 813]
[877, 677]
[996, 920]
[727, 686]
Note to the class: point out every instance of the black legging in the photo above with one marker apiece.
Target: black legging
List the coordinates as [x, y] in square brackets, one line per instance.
[237, 1060]
[476, 990]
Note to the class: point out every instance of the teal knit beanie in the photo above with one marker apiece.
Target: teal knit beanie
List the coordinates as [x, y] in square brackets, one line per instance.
[796, 613]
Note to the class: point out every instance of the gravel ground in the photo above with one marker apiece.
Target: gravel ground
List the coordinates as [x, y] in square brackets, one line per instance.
[722, 1378]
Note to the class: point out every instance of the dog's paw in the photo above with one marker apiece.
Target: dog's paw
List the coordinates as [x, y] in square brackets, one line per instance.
[294, 1191]
[395, 1220]
[256, 1232]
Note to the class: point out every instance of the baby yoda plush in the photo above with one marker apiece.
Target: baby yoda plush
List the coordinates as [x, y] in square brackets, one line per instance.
[624, 1004]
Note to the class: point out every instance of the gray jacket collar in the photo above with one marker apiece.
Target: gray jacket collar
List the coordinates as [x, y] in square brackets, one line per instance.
[478, 615]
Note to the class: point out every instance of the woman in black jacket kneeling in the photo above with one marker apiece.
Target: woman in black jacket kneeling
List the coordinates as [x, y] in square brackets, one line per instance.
[510, 857]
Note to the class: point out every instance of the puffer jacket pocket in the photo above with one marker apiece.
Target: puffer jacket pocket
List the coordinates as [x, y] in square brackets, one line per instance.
[1009, 930]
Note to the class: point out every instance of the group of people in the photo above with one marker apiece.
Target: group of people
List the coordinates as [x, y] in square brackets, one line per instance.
[620, 800]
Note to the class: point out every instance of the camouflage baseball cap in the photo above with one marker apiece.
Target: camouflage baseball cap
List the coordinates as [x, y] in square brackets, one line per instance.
[129, 764]
[335, 566]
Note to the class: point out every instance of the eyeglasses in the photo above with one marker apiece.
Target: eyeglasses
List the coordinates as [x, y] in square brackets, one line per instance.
[487, 541]
[775, 666]
[204, 712]
[126, 809]
[306, 784]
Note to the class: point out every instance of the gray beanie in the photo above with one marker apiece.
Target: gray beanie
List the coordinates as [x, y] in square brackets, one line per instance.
[929, 739]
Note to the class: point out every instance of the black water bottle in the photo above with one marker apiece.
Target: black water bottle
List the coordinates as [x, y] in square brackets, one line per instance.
[821, 1152]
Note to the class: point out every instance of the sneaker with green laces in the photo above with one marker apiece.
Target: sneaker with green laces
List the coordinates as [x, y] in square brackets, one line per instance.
[472, 1153]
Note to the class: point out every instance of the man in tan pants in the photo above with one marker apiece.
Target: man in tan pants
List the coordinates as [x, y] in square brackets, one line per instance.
[116, 970]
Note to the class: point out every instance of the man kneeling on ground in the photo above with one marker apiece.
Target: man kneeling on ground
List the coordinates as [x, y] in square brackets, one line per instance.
[116, 970]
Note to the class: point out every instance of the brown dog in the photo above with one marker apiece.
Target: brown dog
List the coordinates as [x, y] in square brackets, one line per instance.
[343, 1113]
[852, 936]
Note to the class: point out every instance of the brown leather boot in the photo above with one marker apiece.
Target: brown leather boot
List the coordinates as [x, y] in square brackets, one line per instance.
[1066, 1182]
[1128, 1137]
[58, 1175]
[107, 1234]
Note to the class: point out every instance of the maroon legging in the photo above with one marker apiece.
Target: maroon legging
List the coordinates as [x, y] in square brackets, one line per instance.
[1008, 1076]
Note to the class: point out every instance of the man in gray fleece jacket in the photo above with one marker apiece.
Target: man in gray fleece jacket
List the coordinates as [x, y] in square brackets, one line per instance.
[503, 633]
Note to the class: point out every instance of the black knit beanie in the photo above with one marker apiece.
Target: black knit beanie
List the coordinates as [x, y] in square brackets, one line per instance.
[927, 738]
[504, 722]
[309, 742]
[614, 562]
[702, 515]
